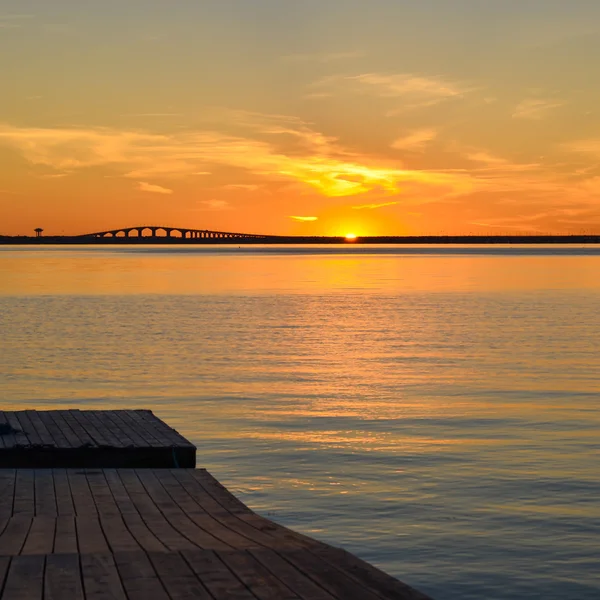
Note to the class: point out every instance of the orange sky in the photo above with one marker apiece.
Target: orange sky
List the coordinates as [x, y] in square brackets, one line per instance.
[310, 118]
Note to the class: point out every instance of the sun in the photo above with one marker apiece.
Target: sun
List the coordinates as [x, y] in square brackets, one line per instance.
[351, 237]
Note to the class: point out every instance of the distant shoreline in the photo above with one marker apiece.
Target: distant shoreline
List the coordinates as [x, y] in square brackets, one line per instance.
[268, 239]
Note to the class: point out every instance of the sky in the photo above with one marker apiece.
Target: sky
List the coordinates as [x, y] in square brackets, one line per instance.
[311, 117]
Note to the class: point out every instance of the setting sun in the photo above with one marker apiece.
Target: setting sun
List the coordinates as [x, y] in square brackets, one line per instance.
[350, 237]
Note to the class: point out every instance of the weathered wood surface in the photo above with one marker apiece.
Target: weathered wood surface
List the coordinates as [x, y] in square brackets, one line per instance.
[91, 438]
[69, 534]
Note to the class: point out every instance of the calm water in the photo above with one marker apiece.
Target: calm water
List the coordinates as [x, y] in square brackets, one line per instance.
[433, 410]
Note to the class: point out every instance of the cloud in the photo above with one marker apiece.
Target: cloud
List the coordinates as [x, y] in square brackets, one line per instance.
[275, 148]
[245, 187]
[304, 219]
[214, 205]
[589, 146]
[374, 206]
[415, 90]
[415, 141]
[152, 188]
[535, 109]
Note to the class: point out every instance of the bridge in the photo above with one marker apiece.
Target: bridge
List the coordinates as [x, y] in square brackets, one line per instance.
[152, 231]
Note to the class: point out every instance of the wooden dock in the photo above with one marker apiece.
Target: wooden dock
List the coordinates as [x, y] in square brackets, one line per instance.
[161, 534]
[91, 438]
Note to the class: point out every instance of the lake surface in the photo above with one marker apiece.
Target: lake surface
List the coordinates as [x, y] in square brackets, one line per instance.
[434, 410]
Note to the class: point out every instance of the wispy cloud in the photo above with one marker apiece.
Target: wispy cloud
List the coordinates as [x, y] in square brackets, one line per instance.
[244, 187]
[306, 219]
[213, 204]
[414, 90]
[586, 146]
[535, 109]
[143, 186]
[416, 140]
[277, 151]
[374, 206]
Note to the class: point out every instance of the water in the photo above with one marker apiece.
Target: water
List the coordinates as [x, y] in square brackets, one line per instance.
[433, 410]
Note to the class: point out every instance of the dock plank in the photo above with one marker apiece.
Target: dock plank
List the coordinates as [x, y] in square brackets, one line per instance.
[44, 493]
[25, 579]
[62, 578]
[295, 579]
[173, 513]
[65, 538]
[24, 499]
[216, 576]
[40, 428]
[7, 491]
[40, 538]
[62, 492]
[139, 577]
[19, 438]
[60, 440]
[14, 535]
[178, 578]
[101, 579]
[257, 578]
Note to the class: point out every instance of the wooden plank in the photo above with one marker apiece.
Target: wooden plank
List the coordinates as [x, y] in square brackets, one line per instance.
[90, 428]
[7, 491]
[90, 536]
[60, 440]
[3, 423]
[20, 438]
[45, 496]
[14, 535]
[190, 482]
[215, 576]
[62, 580]
[40, 539]
[81, 494]
[176, 517]
[101, 579]
[178, 578]
[147, 430]
[25, 579]
[375, 580]
[118, 535]
[24, 500]
[153, 518]
[257, 578]
[103, 417]
[29, 429]
[65, 538]
[336, 582]
[295, 579]
[101, 493]
[139, 577]
[285, 536]
[72, 438]
[119, 493]
[62, 492]
[41, 429]
[107, 433]
[163, 431]
[142, 534]
[4, 565]
[138, 433]
[82, 434]
[198, 515]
